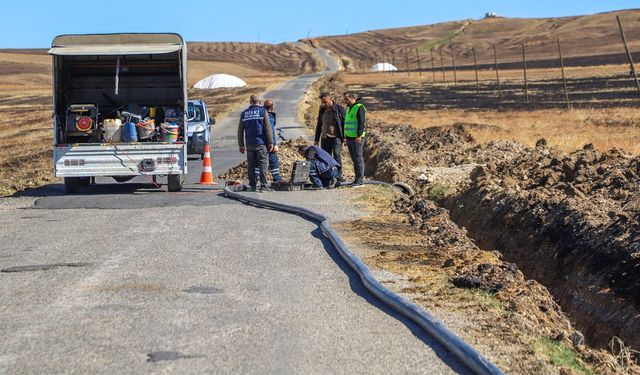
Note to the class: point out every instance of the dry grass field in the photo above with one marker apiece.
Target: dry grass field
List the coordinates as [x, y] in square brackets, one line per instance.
[25, 98]
[606, 105]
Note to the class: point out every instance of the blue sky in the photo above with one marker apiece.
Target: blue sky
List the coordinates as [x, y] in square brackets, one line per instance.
[33, 24]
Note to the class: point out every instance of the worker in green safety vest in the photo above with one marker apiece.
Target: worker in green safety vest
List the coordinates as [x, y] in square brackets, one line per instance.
[354, 135]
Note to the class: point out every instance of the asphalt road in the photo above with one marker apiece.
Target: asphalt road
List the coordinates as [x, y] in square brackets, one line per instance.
[127, 279]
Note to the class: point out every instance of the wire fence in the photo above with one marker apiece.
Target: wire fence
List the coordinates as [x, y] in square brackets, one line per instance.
[552, 78]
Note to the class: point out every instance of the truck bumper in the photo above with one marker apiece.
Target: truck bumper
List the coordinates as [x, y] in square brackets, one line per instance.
[119, 159]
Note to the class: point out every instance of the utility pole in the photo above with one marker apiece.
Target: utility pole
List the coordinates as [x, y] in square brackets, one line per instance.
[524, 66]
[475, 64]
[495, 60]
[629, 57]
[564, 79]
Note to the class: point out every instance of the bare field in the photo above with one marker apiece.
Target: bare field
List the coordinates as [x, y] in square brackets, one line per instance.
[607, 116]
[565, 130]
[288, 58]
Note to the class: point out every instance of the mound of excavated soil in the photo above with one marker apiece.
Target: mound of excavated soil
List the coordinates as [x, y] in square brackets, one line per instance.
[287, 155]
[567, 221]
[424, 157]
[571, 222]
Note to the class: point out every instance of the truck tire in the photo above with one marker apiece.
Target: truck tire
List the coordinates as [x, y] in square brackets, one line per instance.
[84, 181]
[174, 182]
[71, 185]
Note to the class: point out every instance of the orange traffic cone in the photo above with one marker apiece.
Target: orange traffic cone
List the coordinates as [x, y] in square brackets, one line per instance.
[206, 177]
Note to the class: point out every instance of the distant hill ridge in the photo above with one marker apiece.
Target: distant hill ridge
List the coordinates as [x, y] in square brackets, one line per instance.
[581, 36]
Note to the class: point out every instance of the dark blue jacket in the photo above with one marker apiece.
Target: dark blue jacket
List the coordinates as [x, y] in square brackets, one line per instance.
[272, 120]
[325, 161]
[253, 121]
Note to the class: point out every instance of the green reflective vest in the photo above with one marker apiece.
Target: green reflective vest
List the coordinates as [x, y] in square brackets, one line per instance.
[351, 121]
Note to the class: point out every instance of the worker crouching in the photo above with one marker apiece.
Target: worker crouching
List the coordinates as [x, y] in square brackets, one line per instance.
[323, 169]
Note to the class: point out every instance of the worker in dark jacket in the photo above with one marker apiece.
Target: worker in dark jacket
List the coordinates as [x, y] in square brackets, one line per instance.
[329, 129]
[256, 138]
[354, 134]
[323, 169]
[274, 163]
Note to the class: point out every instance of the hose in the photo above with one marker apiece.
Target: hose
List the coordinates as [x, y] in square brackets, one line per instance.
[463, 351]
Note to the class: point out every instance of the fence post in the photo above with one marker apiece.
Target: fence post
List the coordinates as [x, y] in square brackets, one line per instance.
[495, 60]
[564, 80]
[524, 65]
[626, 47]
[433, 66]
[406, 60]
[453, 63]
[419, 65]
[475, 64]
[393, 59]
[444, 76]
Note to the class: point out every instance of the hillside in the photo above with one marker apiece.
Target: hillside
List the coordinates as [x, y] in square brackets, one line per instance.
[582, 36]
[234, 58]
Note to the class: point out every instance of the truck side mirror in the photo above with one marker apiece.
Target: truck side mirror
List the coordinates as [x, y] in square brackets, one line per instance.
[212, 121]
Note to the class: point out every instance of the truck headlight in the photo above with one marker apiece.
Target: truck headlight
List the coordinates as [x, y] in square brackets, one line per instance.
[198, 128]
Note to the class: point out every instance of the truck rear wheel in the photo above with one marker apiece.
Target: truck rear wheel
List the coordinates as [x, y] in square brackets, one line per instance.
[174, 182]
[71, 185]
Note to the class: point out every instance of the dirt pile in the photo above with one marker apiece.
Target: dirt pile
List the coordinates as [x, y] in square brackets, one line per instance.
[287, 155]
[571, 222]
[431, 156]
[484, 270]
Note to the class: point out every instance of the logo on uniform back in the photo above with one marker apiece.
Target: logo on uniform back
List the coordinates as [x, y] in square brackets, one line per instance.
[252, 114]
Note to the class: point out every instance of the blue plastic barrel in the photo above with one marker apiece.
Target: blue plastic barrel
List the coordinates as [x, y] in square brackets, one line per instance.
[129, 132]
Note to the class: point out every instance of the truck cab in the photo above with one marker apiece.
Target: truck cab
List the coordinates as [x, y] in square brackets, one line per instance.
[198, 127]
[119, 107]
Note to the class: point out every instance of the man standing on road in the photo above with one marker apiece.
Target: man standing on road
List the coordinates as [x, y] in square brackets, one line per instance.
[354, 133]
[323, 169]
[329, 129]
[274, 163]
[256, 138]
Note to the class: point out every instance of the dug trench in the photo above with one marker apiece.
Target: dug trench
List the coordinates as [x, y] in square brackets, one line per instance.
[568, 221]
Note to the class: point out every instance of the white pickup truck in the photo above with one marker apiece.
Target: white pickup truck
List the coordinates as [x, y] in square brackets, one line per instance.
[119, 107]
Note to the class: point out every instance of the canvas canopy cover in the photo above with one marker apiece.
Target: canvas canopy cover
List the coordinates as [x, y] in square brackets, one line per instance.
[115, 44]
[383, 67]
[217, 81]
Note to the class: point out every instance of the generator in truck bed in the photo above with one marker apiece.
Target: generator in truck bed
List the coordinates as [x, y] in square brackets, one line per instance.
[119, 107]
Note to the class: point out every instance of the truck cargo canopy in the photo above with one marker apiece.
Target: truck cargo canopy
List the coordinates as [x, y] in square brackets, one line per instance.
[115, 49]
[115, 44]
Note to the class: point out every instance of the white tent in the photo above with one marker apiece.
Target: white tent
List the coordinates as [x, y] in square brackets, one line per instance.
[217, 81]
[383, 67]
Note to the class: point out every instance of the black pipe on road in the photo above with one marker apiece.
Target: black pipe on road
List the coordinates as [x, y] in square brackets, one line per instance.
[463, 351]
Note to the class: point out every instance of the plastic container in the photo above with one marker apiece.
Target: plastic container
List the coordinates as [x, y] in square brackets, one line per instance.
[129, 132]
[146, 129]
[112, 129]
[170, 132]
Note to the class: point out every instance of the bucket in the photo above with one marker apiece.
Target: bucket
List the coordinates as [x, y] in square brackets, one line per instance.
[129, 132]
[146, 129]
[112, 130]
[170, 132]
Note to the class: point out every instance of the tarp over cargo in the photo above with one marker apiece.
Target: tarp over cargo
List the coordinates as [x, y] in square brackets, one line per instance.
[217, 81]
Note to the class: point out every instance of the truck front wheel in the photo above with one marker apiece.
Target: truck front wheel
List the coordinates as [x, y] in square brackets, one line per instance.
[174, 182]
[71, 185]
